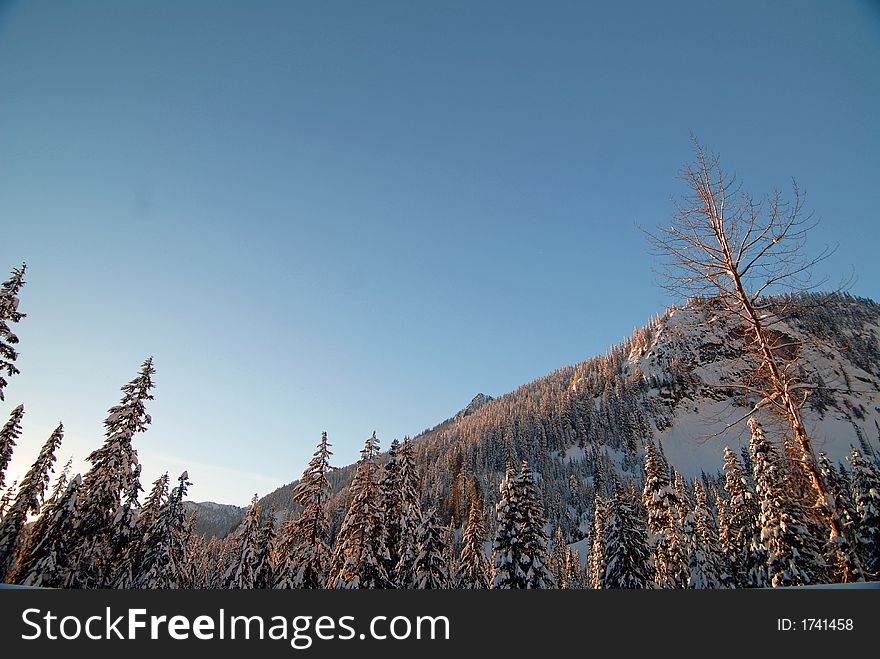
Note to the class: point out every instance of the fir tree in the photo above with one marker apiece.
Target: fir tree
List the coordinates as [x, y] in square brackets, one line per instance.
[7, 498]
[264, 572]
[47, 563]
[406, 516]
[245, 550]
[9, 313]
[532, 537]
[596, 561]
[360, 555]
[574, 574]
[60, 482]
[865, 478]
[113, 474]
[474, 570]
[137, 528]
[559, 559]
[737, 538]
[165, 561]
[429, 568]
[8, 434]
[30, 496]
[391, 495]
[838, 554]
[661, 504]
[627, 555]
[701, 533]
[507, 561]
[783, 532]
[307, 552]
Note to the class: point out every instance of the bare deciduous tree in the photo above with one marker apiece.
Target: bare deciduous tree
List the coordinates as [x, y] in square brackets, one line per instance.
[725, 243]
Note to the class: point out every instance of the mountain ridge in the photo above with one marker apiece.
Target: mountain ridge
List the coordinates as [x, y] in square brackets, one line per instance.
[675, 381]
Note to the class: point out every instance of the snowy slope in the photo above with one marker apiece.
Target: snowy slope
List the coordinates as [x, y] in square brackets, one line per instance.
[677, 381]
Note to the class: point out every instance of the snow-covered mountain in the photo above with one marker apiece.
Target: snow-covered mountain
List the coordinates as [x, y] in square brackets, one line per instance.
[678, 381]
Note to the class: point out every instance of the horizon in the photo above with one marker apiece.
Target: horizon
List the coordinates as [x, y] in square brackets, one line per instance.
[327, 217]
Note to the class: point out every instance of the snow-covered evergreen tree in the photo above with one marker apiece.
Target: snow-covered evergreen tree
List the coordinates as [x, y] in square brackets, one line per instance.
[206, 565]
[784, 536]
[532, 536]
[10, 431]
[701, 537]
[30, 496]
[559, 559]
[390, 494]
[430, 570]
[838, 554]
[264, 572]
[662, 506]
[60, 482]
[164, 562]
[405, 515]
[114, 473]
[627, 555]
[9, 313]
[507, 571]
[574, 574]
[307, 550]
[47, 563]
[244, 550]
[596, 559]
[737, 538]
[474, 570]
[865, 479]
[360, 555]
[135, 528]
[7, 498]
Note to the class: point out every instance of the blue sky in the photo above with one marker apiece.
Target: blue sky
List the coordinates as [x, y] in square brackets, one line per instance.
[350, 216]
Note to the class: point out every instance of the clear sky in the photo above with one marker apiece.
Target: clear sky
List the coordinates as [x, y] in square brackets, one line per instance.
[350, 216]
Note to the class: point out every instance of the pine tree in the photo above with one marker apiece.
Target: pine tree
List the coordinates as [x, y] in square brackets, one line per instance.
[865, 479]
[264, 572]
[135, 528]
[244, 551]
[165, 561]
[28, 500]
[737, 539]
[507, 561]
[60, 482]
[559, 559]
[451, 551]
[391, 494]
[114, 473]
[627, 555]
[207, 565]
[7, 498]
[838, 555]
[407, 517]
[533, 539]
[8, 434]
[784, 536]
[661, 504]
[596, 563]
[429, 568]
[360, 555]
[474, 571]
[307, 553]
[47, 563]
[574, 574]
[701, 533]
[9, 313]
[127, 532]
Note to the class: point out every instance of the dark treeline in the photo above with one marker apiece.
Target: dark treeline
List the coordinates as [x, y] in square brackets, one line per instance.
[427, 514]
